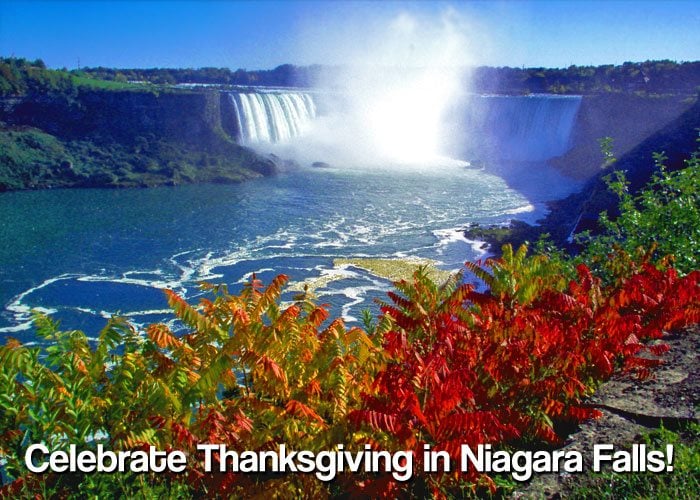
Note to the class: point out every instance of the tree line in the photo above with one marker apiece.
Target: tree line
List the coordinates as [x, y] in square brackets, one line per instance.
[20, 76]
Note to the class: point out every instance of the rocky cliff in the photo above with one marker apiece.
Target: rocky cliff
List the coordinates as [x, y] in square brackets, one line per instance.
[629, 119]
[677, 140]
[121, 138]
[640, 126]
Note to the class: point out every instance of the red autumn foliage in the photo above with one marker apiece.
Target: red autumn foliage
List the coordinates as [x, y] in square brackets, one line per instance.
[446, 366]
[471, 367]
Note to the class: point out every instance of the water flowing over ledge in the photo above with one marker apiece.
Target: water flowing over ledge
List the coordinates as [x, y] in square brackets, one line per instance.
[502, 128]
[271, 117]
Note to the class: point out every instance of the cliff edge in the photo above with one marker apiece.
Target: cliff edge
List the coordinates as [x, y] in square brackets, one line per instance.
[102, 138]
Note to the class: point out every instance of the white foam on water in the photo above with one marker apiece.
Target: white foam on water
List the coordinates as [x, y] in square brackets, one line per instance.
[342, 271]
[357, 296]
[247, 276]
[146, 312]
[478, 247]
[23, 313]
[173, 284]
[330, 244]
[524, 209]
[447, 237]
[44, 310]
[26, 325]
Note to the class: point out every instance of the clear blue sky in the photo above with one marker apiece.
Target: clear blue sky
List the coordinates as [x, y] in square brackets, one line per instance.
[261, 35]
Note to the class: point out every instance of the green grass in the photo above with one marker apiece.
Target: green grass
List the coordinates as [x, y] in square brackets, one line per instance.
[682, 482]
[93, 83]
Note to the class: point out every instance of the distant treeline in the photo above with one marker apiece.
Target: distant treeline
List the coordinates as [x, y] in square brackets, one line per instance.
[653, 77]
[21, 77]
[285, 75]
[656, 77]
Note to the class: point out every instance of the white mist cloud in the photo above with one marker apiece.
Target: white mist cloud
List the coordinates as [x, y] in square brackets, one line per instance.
[387, 104]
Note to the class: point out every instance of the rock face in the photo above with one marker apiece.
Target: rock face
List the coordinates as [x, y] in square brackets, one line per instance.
[630, 408]
[121, 139]
[677, 139]
[192, 118]
[628, 118]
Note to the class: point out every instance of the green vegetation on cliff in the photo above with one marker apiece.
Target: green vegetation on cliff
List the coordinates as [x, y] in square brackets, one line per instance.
[285, 75]
[663, 217]
[67, 129]
[33, 159]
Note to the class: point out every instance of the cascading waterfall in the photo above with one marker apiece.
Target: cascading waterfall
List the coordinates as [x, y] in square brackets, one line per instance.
[272, 117]
[520, 128]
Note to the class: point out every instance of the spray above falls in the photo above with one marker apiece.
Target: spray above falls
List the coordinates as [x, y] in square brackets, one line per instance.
[385, 104]
[402, 100]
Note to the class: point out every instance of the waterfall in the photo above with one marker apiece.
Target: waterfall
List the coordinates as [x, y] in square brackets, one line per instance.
[272, 116]
[520, 128]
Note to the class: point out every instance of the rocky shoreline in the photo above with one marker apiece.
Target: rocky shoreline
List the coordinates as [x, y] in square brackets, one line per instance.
[559, 222]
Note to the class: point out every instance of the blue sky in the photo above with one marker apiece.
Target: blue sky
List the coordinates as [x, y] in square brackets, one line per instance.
[261, 35]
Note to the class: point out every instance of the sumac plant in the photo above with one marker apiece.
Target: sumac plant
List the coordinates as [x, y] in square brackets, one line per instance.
[503, 365]
[247, 373]
[444, 366]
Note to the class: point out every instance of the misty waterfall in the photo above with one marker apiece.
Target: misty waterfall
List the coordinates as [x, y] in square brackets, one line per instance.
[510, 128]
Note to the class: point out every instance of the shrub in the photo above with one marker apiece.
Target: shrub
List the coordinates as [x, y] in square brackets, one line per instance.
[248, 374]
[467, 367]
[663, 217]
[443, 366]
